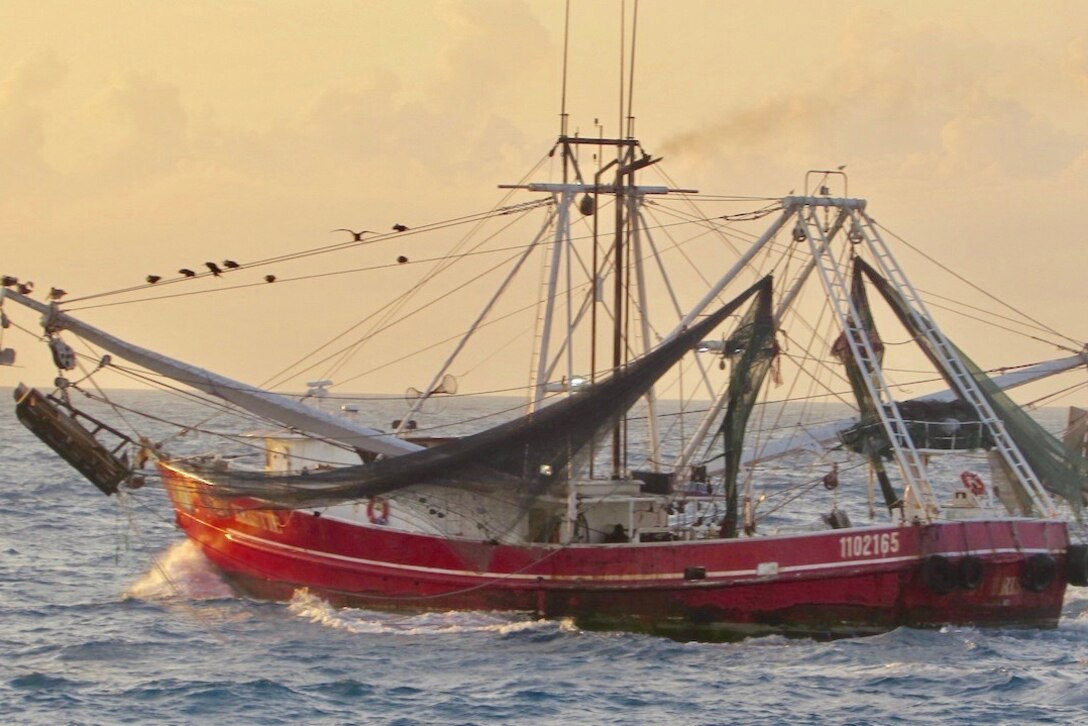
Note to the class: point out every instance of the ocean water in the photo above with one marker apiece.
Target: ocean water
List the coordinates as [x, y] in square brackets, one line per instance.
[107, 615]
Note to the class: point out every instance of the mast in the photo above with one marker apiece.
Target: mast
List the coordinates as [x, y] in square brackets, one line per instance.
[618, 298]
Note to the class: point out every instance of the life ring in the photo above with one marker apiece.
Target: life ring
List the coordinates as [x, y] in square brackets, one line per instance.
[938, 574]
[1039, 571]
[1076, 565]
[283, 517]
[971, 571]
[377, 511]
[973, 482]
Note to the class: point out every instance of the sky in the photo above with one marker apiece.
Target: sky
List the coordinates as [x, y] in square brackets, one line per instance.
[137, 137]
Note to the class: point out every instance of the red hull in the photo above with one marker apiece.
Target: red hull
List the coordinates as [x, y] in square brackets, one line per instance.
[822, 584]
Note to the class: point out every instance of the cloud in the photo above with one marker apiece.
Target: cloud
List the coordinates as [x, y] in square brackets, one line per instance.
[1075, 62]
[373, 136]
[32, 78]
[496, 45]
[142, 129]
[1001, 135]
[23, 122]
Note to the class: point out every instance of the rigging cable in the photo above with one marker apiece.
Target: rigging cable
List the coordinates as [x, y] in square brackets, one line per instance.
[1056, 395]
[477, 217]
[451, 259]
[300, 278]
[964, 280]
[389, 316]
[932, 295]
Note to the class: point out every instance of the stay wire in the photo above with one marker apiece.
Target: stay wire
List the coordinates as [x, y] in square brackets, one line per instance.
[961, 278]
[299, 278]
[391, 316]
[445, 263]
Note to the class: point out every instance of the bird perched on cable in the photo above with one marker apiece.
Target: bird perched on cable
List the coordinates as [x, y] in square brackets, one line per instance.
[152, 279]
[231, 264]
[9, 281]
[357, 235]
[399, 228]
[269, 278]
[214, 268]
[402, 259]
[25, 288]
[186, 272]
[55, 293]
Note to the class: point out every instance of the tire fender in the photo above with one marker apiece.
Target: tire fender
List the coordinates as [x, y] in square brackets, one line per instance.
[938, 574]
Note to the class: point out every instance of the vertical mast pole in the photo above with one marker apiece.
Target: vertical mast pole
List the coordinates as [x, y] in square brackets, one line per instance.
[643, 306]
[562, 235]
[598, 296]
[617, 300]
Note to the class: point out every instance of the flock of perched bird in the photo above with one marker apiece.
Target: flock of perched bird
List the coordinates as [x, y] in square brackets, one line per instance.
[55, 293]
[216, 270]
[212, 267]
[24, 288]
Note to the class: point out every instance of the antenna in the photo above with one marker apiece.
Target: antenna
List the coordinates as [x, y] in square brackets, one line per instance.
[563, 99]
[631, 75]
[622, 70]
[627, 76]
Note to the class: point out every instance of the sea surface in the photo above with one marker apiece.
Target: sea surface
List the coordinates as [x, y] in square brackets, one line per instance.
[107, 615]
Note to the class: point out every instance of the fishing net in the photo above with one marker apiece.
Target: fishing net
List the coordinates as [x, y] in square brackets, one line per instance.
[528, 456]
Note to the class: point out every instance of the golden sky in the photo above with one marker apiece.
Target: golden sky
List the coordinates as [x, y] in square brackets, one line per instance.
[139, 137]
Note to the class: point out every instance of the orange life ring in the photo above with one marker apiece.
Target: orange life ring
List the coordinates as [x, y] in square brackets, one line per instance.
[283, 517]
[377, 511]
[973, 482]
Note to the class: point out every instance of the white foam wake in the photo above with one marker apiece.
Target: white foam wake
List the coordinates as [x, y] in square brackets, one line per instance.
[311, 607]
[181, 572]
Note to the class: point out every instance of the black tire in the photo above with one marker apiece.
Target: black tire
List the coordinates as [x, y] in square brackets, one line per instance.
[1076, 565]
[971, 570]
[1039, 571]
[938, 574]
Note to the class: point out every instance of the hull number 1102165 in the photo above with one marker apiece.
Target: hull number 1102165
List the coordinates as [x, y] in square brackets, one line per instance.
[869, 545]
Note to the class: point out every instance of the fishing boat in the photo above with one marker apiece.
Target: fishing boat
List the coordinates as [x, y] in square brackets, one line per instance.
[663, 434]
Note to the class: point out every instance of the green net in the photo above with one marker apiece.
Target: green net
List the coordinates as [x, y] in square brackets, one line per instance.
[867, 437]
[751, 351]
[1062, 470]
